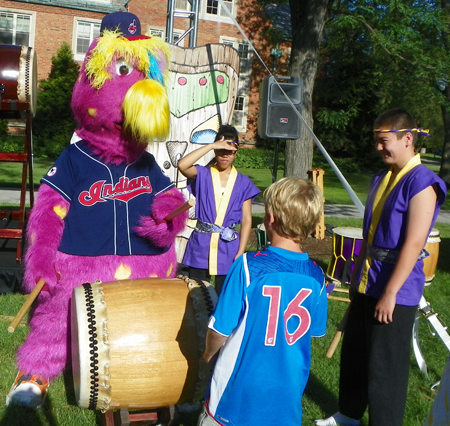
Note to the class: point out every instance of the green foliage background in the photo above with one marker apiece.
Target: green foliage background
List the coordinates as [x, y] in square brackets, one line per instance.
[53, 124]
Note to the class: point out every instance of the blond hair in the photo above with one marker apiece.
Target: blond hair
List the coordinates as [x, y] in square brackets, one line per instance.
[296, 204]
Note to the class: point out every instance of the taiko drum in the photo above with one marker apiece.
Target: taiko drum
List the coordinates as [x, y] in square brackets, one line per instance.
[346, 245]
[18, 78]
[430, 263]
[139, 343]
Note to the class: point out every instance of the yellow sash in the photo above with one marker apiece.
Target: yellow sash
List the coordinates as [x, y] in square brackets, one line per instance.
[221, 202]
[383, 192]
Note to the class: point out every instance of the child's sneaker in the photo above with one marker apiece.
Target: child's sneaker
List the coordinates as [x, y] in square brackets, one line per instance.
[337, 419]
[29, 390]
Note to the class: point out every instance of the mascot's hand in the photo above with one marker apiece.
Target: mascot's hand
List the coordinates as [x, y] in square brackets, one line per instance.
[43, 269]
[158, 231]
[44, 232]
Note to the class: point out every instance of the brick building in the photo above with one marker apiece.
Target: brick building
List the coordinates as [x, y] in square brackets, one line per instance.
[45, 24]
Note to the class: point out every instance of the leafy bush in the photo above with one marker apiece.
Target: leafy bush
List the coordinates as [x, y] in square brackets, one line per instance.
[257, 158]
[53, 125]
[11, 143]
[3, 128]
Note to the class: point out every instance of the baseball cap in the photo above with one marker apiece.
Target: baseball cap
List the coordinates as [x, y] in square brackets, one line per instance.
[125, 22]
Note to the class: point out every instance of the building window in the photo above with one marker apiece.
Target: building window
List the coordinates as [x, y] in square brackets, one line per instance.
[181, 5]
[240, 113]
[215, 11]
[245, 68]
[155, 32]
[239, 105]
[15, 28]
[244, 52]
[176, 36]
[86, 32]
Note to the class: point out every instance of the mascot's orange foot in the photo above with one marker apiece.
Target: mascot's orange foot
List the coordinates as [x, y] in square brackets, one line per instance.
[28, 390]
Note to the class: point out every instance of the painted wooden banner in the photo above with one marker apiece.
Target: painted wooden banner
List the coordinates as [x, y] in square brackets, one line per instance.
[202, 89]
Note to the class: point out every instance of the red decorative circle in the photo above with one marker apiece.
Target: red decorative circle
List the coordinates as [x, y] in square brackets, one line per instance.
[182, 81]
[203, 81]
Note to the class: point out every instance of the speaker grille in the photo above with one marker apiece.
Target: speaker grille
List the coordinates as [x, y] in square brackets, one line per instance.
[282, 122]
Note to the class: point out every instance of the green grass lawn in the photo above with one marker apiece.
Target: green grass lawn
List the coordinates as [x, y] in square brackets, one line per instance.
[11, 173]
[320, 398]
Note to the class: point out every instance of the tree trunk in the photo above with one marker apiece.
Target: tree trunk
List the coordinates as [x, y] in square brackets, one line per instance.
[445, 160]
[308, 19]
[444, 172]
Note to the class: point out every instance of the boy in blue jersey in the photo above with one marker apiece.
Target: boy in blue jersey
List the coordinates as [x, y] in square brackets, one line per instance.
[271, 304]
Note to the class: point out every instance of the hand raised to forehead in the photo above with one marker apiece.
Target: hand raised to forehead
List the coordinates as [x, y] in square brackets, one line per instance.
[228, 144]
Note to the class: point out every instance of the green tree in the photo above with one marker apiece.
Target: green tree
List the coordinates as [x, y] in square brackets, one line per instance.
[53, 124]
[373, 55]
[307, 22]
[402, 47]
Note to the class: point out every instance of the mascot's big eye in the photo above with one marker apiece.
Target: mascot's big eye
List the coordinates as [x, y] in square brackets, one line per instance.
[123, 68]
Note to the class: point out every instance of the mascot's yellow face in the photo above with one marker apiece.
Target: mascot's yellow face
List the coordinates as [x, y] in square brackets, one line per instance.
[121, 88]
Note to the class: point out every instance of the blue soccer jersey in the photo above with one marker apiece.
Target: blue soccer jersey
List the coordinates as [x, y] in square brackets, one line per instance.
[271, 304]
[106, 202]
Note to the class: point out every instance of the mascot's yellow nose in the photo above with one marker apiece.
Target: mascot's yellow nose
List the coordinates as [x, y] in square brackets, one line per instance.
[92, 112]
[146, 111]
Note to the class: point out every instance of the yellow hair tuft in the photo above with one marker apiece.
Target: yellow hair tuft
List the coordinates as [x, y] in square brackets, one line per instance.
[112, 45]
[146, 112]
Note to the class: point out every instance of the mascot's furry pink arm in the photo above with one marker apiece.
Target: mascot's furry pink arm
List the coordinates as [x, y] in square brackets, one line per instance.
[120, 104]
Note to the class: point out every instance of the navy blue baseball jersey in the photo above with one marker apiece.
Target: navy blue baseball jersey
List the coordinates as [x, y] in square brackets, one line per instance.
[106, 202]
[271, 304]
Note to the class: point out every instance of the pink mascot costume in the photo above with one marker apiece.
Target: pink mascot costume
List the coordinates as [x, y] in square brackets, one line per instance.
[99, 213]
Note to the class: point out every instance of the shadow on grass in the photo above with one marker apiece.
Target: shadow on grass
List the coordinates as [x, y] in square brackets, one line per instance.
[317, 392]
[24, 416]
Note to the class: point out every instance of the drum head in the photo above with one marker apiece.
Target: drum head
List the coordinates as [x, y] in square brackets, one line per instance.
[434, 232]
[353, 233]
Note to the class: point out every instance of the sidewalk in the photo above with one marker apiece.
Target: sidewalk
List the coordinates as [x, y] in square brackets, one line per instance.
[12, 196]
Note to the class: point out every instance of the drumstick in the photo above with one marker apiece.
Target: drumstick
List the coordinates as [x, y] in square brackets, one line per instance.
[180, 209]
[340, 299]
[337, 336]
[23, 310]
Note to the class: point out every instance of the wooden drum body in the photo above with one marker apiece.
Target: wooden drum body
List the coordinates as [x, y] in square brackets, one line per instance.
[18, 78]
[346, 245]
[430, 263]
[139, 343]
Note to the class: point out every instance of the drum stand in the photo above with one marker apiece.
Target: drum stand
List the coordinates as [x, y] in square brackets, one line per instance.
[316, 176]
[123, 417]
[432, 317]
[26, 158]
[427, 311]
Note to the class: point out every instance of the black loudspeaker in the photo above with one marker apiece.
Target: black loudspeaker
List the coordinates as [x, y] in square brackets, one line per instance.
[277, 119]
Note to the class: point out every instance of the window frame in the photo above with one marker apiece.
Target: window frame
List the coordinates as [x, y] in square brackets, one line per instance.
[219, 17]
[244, 86]
[162, 31]
[80, 20]
[32, 28]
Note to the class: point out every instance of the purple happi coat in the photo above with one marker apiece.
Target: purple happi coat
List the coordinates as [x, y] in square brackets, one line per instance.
[197, 250]
[391, 230]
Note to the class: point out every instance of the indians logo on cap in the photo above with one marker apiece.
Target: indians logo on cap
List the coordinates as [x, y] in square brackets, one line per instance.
[132, 28]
